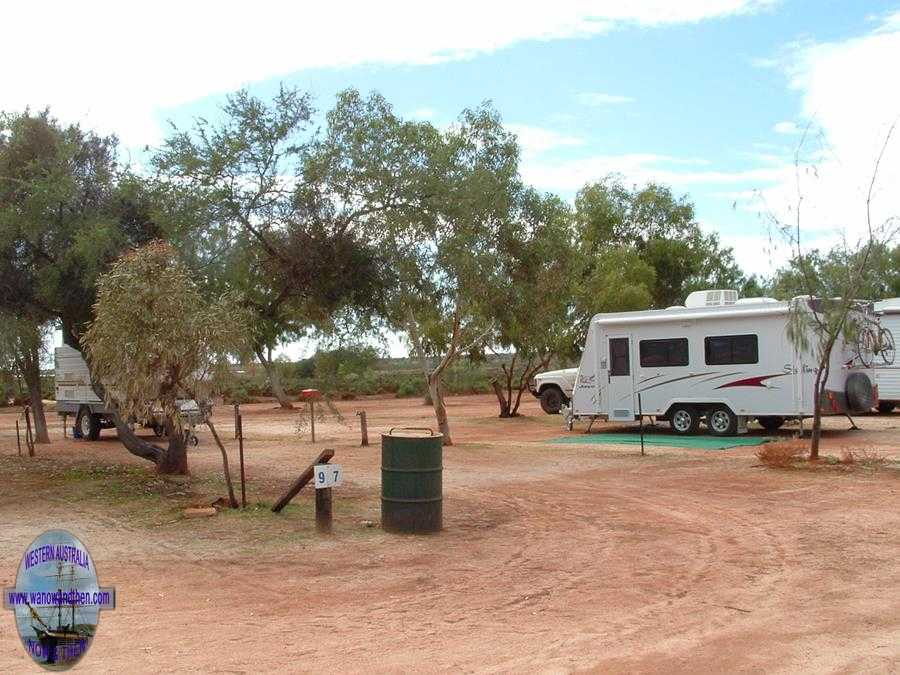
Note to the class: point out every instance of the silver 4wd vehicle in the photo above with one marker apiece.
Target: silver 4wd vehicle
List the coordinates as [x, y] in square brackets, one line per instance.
[553, 388]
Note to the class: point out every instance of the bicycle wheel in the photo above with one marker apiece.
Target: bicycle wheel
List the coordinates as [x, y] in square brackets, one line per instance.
[865, 346]
[886, 346]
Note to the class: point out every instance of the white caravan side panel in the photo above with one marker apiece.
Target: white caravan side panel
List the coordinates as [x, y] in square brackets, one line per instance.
[888, 377]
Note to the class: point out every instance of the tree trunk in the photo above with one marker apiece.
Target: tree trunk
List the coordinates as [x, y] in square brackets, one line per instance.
[174, 460]
[232, 500]
[440, 410]
[501, 399]
[274, 377]
[33, 382]
[137, 446]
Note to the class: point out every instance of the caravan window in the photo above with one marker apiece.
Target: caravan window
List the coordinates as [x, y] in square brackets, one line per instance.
[618, 357]
[723, 350]
[664, 353]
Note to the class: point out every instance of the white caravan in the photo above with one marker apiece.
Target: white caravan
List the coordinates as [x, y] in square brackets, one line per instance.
[717, 359]
[887, 370]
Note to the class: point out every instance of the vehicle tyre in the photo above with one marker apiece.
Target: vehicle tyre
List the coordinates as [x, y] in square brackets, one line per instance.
[770, 422]
[552, 400]
[159, 430]
[886, 407]
[860, 392]
[721, 421]
[684, 419]
[88, 424]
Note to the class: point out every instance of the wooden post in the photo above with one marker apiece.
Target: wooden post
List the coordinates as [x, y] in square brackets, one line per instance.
[237, 415]
[312, 419]
[363, 428]
[302, 480]
[29, 439]
[240, 429]
[18, 438]
[323, 510]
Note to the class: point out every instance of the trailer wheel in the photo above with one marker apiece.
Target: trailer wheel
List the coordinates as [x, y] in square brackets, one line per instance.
[770, 422]
[721, 421]
[684, 419]
[886, 407]
[88, 423]
[552, 400]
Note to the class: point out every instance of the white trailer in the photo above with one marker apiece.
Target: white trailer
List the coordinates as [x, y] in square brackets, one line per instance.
[75, 396]
[887, 375]
[717, 359]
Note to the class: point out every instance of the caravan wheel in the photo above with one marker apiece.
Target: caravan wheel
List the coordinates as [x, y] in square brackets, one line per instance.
[88, 423]
[721, 421]
[684, 420]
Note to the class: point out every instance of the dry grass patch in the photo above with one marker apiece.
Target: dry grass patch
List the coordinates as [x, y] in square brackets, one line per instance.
[782, 454]
[866, 457]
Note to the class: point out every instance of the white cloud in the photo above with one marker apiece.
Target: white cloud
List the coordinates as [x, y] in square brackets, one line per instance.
[116, 65]
[596, 98]
[535, 140]
[423, 113]
[787, 128]
[849, 98]
[569, 175]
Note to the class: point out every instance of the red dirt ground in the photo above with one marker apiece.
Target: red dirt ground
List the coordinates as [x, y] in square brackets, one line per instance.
[554, 558]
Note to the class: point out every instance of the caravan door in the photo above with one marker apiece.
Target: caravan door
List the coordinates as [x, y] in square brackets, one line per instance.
[621, 387]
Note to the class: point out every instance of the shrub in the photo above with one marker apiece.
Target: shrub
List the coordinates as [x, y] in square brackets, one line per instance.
[781, 454]
[868, 457]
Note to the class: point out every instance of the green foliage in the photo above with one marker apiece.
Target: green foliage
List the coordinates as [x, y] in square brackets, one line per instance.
[155, 337]
[654, 227]
[826, 275]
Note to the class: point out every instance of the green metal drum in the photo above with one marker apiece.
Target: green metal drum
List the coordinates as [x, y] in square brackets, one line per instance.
[411, 480]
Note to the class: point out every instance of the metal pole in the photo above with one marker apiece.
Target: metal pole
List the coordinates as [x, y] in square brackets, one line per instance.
[641, 423]
[363, 428]
[18, 439]
[65, 424]
[240, 426]
[237, 415]
[312, 419]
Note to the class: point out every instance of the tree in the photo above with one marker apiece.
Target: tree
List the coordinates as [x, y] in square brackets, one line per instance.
[534, 322]
[829, 272]
[155, 339]
[67, 210]
[450, 285]
[290, 247]
[21, 348]
[834, 283]
[663, 233]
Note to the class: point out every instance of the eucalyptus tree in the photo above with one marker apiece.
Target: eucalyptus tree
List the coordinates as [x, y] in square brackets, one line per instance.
[661, 230]
[539, 264]
[156, 337]
[292, 246]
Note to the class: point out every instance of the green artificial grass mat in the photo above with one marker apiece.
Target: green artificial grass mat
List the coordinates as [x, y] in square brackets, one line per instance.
[669, 440]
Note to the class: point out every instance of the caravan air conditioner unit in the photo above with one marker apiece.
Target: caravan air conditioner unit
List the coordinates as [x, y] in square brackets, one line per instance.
[716, 298]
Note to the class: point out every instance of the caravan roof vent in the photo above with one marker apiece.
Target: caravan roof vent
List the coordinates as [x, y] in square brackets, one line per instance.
[718, 298]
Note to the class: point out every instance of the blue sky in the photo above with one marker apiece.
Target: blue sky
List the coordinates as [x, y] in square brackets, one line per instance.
[708, 96]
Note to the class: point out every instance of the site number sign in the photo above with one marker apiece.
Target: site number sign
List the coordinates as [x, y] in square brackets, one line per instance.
[328, 475]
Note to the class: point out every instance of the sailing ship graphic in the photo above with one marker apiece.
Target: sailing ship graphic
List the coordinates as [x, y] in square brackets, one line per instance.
[62, 634]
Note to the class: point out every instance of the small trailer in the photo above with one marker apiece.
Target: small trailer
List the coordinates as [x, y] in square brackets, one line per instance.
[718, 360]
[75, 396]
[887, 370]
